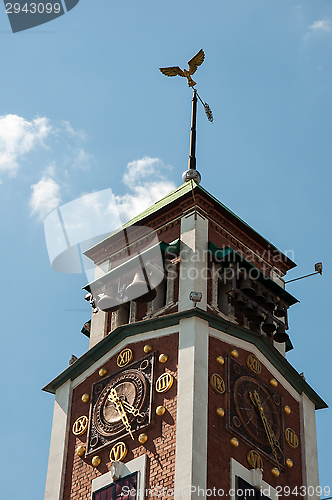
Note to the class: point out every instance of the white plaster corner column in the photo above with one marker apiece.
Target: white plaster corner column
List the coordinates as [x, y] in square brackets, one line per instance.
[98, 328]
[192, 406]
[193, 260]
[59, 436]
[99, 319]
[309, 445]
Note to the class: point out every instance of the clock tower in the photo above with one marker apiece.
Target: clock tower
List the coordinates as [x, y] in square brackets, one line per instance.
[185, 391]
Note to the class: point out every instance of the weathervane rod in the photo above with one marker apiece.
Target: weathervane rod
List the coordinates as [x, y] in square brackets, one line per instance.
[192, 153]
[197, 60]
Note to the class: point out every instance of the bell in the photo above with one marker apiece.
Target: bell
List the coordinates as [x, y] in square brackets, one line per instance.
[280, 312]
[280, 336]
[138, 290]
[249, 309]
[137, 287]
[108, 302]
[268, 327]
[259, 295]
[258, 316]
[269, 303]
[247, 288]
[240, 300]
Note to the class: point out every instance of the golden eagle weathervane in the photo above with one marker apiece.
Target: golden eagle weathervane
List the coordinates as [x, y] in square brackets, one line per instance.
[197, 60]
[193, 64]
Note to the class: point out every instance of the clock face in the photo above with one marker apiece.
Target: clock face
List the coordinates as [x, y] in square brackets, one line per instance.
[130, 389]
[121, 404]
[255, 411]
[244, 389]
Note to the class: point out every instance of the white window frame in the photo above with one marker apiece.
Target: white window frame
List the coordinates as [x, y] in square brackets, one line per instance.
[252, 476]
[136, 465]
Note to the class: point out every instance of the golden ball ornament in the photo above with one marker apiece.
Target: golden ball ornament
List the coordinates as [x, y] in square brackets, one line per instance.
[80, 451]
[289, 463]
[96, 461]
[234, 442]
[143, 438]
[287, 410]
[147, 348]
[102, 372]
[160, 410]
[220, 360]
[163, 358]
[86, 398]
[220, 412]
[234, 353]
[273, 382]
[275, 472]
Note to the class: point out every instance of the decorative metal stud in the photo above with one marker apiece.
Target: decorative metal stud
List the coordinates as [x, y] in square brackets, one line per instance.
[163, 358]
[234, 353]
[275, 472]
[147, 348]
[287, 410]
[234, 442]
[220, 360]
[289, 463]
[86, 398]
[102, 372]
[80, 451]
[96, 461]
[143, 438]
[273, 382]
[220, 412]
[160, 410]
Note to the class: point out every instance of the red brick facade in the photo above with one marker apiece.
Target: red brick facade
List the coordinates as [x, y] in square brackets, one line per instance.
[160, 447]
[220, 451]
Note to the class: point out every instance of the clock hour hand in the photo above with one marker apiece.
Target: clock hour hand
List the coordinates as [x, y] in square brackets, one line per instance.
[114, 398]
[131, 409]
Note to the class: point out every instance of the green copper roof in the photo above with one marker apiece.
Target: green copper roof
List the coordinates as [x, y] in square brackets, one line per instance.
[175, 195]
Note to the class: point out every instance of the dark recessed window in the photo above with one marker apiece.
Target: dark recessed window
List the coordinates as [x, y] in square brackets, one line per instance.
[123, 489]
[245, 491]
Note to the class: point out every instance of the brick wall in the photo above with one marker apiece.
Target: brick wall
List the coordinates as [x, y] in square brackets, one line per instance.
[160, 447]
[219, 449]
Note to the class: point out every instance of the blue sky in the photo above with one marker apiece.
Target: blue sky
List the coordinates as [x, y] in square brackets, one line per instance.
[82, 98]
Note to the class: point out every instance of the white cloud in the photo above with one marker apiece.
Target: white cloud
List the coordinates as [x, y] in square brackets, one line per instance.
[71, 131]
[45, 197]
[17, 137]
[147, 184]
[323, 25]
[80, 159]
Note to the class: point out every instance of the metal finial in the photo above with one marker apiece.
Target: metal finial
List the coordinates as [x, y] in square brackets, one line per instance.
[197, 60]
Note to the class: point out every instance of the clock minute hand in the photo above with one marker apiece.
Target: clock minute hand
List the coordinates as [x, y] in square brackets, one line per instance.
[114, 398]
[269, 432]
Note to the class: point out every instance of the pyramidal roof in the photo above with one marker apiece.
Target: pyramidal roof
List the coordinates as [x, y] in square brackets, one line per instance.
[182, 191]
